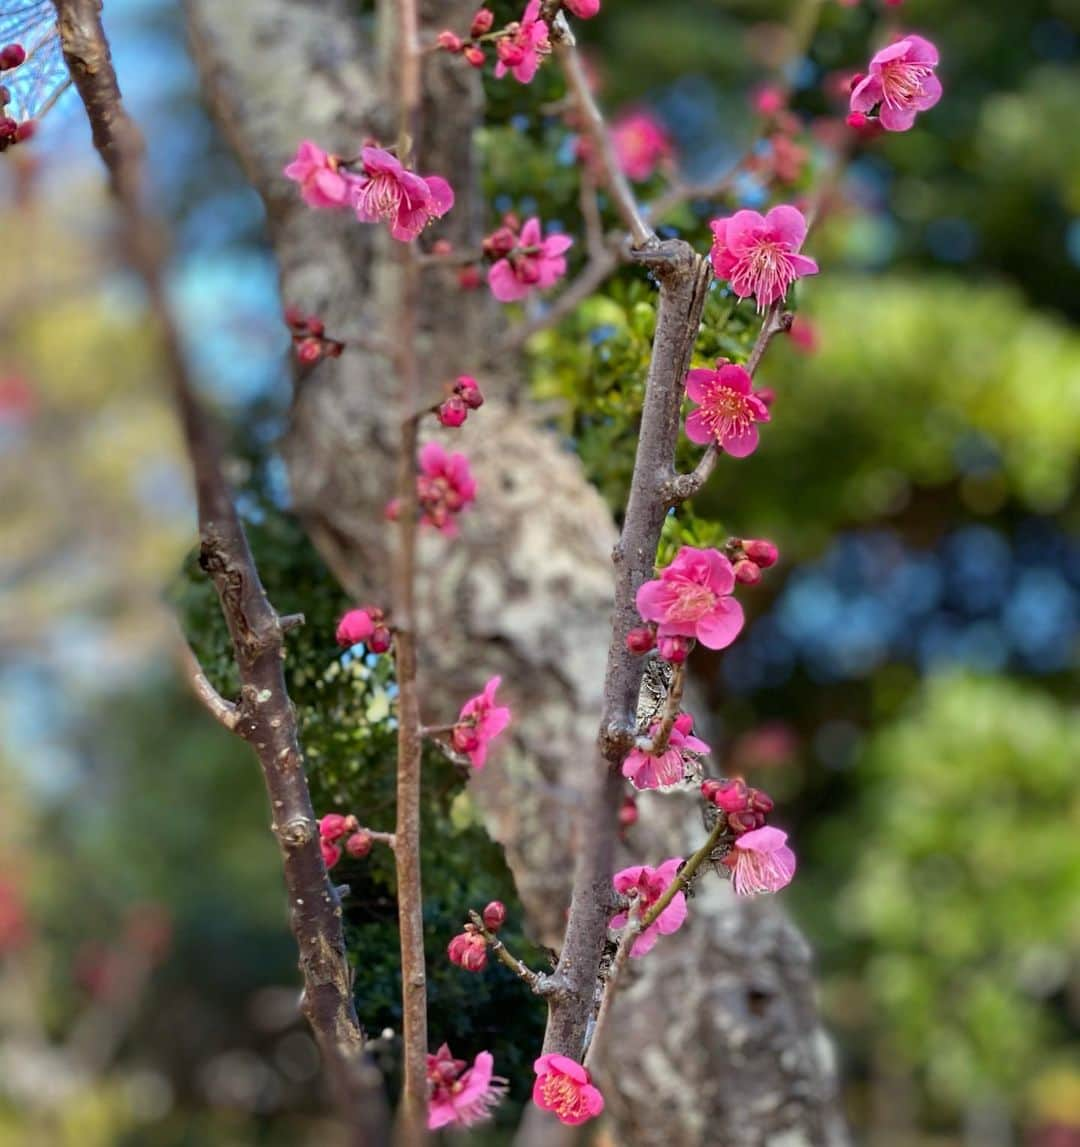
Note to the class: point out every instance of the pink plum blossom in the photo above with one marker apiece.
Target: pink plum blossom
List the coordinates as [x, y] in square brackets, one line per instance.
[479, 723]
[385, 191]
[727, 409]
[322, 183]
[662, 770]
[565, 1088]
[583, 9]
[445, 486]
[650, 884]
[520, 51]
[761, 862]
[641, 144]
[333, 826]
[691, 598]
[356, 625]
[458, 1094]
[901, 80]
[759, 254]
[535, 263]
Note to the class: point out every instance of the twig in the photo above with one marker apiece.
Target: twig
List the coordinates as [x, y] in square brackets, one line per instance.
[503, 954]
[410, 741]
[224, 712]
[611, 985]
[641, 234]
[266, 717]
[672, 703]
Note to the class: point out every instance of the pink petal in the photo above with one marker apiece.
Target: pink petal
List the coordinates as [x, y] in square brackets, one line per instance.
[803, 264]
[442, 195]
[531, 235]
[697, 430]
[898, 119]
[557, 245]
[921, 51]
[867, 93]
[504, 284]
[696, 382]
[897, 50]
[673, 916]
[741, 445]
[720, 575]
[720, 628]
[743, 230]
[376, 159]
[735, 378]
[788, 224]
[767, 839]
[930, 94]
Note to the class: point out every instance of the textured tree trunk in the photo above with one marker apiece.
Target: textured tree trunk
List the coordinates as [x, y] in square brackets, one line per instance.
[718, 1037]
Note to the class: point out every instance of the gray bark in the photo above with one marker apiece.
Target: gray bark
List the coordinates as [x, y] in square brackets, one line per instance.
[526, 591]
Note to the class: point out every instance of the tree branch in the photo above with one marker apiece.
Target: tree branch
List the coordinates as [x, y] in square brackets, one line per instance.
[265, 715]
[224, 712]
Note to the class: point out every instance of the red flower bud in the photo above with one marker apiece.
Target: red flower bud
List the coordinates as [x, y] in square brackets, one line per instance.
[709, 789]
[442, 247]
[762, 553]
[469, 278]
[641, 640]
[500, 242]
[309, 351]
[628, 814]
[11, 56]
[355, 626]
[759, 802]
[494, 915]
[857, 120]
[474, 56]
[468, 950]
[331, 854]
[746, 572]
[316, 327]
[453, 411]
[295, 317]
[381, 640]
[740, 822]
[448, 41]
[359, 844]
[333, 827]
[674, 649]
[469, 390]
[465, 739]
[482, 22]
[26, 130]
[731, 796]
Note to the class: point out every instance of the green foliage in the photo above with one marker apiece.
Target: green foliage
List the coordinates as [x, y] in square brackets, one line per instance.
[963, 878]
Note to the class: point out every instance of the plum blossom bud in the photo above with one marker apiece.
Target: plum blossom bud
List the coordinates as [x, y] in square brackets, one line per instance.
[468, 950]
[331, 854]
[710, 788]
[769, 100]
[583, 9]
[359, 844]
[380, 640]
[442, 247]
[641, 640]
[448, 41]
[355, 626]
[469, 278]
[762, 553]
[474, 56]
[760, 802]
[500, 242]
[465, 739]
[730, 796]
[740, 822]
[469, 390]
[309, 351]
[628, 813]
[333, 827]
[746, 572]
[453, 411]
[482, 22]
[11, 56]
[674, 649]
[494, 915]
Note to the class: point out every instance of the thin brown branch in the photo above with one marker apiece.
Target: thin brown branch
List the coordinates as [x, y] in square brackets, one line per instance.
[672, 704]
[224, 712]
[410, 743]
[535, 980]
[618, 186]
[684, 278]
[611, 984]
[265, 714]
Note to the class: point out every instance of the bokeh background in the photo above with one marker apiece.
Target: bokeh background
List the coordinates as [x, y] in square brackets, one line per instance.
[906, 689]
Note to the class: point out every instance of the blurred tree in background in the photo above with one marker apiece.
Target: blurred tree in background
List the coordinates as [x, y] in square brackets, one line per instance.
[907, 684]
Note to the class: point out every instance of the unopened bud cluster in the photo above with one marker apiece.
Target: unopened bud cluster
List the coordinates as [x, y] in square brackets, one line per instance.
[367, 626]
[333, 828]
[464, 396]
[745, 808]
[11, 131]
[310, 341]
[749, 556]
[468, 949]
